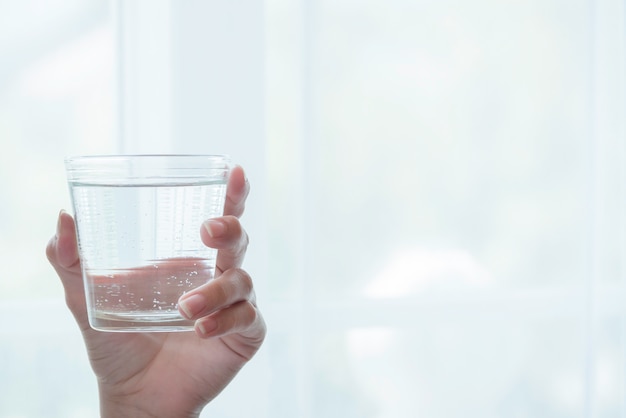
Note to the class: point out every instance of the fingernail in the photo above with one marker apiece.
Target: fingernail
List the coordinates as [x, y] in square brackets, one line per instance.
[60, 221]
[215, 228]
[192, 305]
[206, 326]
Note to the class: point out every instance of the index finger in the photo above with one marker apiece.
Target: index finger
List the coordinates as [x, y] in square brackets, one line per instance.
[236, 193]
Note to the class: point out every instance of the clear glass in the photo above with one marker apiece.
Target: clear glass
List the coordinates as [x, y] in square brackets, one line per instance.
[138, 224]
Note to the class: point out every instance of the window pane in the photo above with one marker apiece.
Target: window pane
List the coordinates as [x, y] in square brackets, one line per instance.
[56, 99]
[451, 368]
[430, 158]
[442, 150]
[44, 366]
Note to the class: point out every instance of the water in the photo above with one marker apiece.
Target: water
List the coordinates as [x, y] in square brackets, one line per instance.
[141, 250]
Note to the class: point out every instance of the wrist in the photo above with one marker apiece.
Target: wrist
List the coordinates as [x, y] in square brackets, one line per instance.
[113, 406]
[120, 407]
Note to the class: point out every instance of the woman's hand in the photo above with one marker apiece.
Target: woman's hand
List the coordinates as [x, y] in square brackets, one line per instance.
[173, 374]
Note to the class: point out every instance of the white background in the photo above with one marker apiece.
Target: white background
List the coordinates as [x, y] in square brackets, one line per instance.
[437, 209]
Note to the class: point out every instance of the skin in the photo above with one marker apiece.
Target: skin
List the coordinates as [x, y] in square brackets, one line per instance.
[173, 374]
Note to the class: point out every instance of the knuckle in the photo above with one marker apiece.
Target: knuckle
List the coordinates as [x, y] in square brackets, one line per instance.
[246, 240]
[246, 316]
[220, 292]
[250, 313]
[233, 222]
[245, 281]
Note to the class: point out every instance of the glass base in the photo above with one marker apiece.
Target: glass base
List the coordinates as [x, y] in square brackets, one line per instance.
[139, 322]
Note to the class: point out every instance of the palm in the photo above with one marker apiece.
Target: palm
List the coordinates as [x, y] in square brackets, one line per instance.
[151, 365]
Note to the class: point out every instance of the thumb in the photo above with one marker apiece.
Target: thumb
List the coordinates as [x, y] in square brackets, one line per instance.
[62, 249]
[62, 252]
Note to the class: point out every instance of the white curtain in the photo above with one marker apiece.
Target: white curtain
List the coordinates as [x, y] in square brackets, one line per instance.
[437, 215]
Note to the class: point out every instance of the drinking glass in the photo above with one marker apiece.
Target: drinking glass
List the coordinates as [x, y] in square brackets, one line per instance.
[138, 220]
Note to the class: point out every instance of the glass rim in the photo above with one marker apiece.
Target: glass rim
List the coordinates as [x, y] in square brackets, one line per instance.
[147, 169]
[110, 157]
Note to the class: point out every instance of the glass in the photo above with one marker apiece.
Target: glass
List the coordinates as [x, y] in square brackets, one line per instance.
[138, 221]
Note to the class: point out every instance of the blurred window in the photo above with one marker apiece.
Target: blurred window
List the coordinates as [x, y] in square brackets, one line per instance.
[437, 206]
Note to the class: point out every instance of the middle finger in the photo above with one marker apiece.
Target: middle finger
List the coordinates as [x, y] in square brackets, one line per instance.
[235, 285]
[231, 240]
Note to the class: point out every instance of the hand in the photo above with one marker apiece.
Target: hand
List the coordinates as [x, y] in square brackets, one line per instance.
[173, 374]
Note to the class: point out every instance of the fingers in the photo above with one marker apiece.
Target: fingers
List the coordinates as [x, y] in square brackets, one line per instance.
[223, 306]
[231, 287]
[227, 235]
[236, 193]
[238, 318]
[227, 304]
